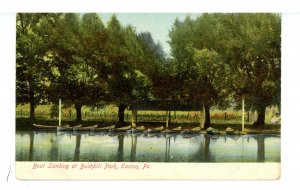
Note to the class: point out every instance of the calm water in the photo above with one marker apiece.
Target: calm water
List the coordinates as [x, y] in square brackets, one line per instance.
[69, 146]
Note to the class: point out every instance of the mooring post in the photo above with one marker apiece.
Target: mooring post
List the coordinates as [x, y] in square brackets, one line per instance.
[167, 120]
[132, 123]
[59, 113]
[202, 118]
[133, 118]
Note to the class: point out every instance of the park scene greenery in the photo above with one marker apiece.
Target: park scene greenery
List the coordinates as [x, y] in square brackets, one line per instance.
[99, 69]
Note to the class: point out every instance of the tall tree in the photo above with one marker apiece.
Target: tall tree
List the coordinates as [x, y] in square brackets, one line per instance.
[197, 64]
[31, 80]
[70, 45]
[153, 64]
[254, 52]
[126, 82]
[205, 84]
[248, 45]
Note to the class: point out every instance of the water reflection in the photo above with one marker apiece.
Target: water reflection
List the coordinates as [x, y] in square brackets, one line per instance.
[206, 148]
[77, 148]
[133, 148]
[260, 148]
[168, 147]
[50, 146]
[120, 153]
[31, 137]
[54, 148]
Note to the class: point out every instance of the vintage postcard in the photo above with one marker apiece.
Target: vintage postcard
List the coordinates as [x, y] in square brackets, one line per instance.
[102, 96]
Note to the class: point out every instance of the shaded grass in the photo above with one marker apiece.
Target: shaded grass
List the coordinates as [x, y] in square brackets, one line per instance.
[110, 113]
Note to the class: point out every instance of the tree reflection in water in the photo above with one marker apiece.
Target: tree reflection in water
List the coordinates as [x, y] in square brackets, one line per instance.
[260, 148]
[133, 147]
[198, 148]
[31, 137]
[203, 153]
[120, 153]
[206, 148]
[77, 147]
[168, 147]
[54, 147]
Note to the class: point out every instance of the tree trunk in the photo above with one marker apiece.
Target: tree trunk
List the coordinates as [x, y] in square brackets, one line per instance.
[78, 112]
[31, 102]
[207, 117]
[121, 111]
[260, 122]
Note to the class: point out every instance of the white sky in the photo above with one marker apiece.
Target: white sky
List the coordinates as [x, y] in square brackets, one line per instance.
[158, 24]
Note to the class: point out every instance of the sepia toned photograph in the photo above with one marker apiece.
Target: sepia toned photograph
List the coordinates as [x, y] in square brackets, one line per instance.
[141, 91]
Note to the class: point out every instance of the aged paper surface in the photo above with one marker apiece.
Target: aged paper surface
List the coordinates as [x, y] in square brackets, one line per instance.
[40, 170]
[290, 165]
[145, 171]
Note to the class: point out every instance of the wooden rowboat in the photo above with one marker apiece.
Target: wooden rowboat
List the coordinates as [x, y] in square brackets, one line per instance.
[107, 128]
[138, 129]
[195, 129]
[192, 130]
[89, 128]
[261, 131]
[230, 131]
[122, 129]
[68, 128]
[155, 130]
[212, 131]
[45, 127]
[175, 130]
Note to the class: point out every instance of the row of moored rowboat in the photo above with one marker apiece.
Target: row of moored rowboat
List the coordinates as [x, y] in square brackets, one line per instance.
[138, 129]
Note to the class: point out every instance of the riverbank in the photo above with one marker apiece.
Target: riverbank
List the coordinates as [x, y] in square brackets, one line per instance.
[23, 124]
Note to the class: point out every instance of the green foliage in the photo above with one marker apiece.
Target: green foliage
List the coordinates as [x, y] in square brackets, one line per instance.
[215, 58]
[241, 52]
[31, 70]
[70, 46]
[54, 111]
[28, 59]
[132, 60]
[77, 59]
[205, 74]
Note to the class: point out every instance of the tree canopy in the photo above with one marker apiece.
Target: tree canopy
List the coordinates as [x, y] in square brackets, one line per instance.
[243, 52]
[84, 62]
[216, 59]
